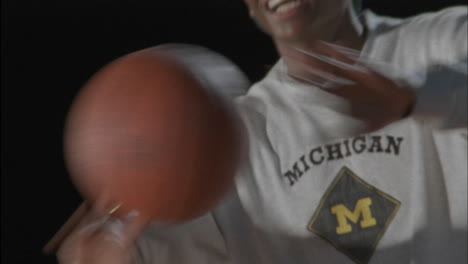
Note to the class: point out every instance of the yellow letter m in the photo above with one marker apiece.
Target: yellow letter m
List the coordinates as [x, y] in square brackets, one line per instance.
[343, 214]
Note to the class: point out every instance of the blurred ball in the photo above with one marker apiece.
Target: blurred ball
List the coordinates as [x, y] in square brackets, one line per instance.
[154, 132]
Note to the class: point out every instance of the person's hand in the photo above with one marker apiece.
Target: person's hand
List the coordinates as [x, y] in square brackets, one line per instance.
[101, 239]
[374, 98]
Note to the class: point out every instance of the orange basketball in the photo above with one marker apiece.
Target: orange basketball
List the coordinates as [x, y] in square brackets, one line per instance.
[149, 133]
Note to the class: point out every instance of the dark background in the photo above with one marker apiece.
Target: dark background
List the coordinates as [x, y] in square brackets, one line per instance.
[50, 48]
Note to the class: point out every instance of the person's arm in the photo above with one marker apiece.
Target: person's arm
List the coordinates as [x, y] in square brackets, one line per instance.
[442, 100]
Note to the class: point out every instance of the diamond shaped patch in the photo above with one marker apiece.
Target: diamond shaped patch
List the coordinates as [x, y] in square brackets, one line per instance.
[353, 216]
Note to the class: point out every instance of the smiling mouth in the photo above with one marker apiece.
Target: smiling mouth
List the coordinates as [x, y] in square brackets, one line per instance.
[282, 6]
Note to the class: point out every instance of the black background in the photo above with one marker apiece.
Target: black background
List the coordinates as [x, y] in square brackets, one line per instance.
[50, 48]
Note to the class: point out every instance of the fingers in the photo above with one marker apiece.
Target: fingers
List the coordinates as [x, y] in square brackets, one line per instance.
[74, 243]
[375, 98]
[340, 65]
[66, 229]
[339, 62]
[355, 66]
[101, 239]
[125, 228]
[341, 54]
[302, 71]
[101, 235]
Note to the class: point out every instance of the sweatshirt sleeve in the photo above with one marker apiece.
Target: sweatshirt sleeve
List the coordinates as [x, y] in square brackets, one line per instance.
[442, 101]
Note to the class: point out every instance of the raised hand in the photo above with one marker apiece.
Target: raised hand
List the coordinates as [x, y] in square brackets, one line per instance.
[374, 98]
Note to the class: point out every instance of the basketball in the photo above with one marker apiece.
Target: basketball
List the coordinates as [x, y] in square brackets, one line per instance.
[149, 132]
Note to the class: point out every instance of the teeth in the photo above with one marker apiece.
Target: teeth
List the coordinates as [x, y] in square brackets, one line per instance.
[286, 7]
[282, 5]
[273, 3]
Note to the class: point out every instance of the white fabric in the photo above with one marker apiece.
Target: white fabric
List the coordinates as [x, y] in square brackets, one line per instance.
[292, 124]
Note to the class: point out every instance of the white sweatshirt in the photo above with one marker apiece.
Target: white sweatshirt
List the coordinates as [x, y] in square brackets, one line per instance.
[312, 191]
